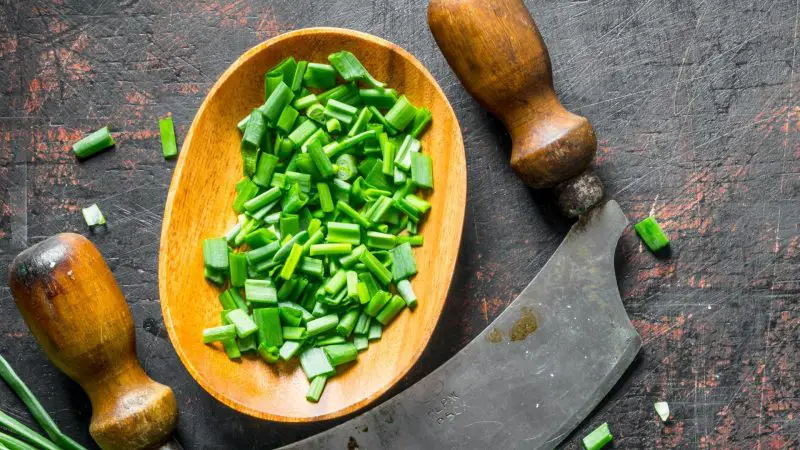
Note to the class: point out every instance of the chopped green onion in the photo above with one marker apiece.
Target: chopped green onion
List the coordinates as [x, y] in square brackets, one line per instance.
[277, 101]
[289, 350]
[93, 143]
[333, 125]
[351, 259]
[652, 234]
[375, 267]
[315, 363]
[375, 331]
[322, 324]
[215, 254]
[361, 122]
[305, 102]
[292, 261]
[321, 160]
[403, 157]
[263, 199]
[269, 353]
[391, 310]
[293, 333]
[401, 114]
[422, 170]
[421, 121]
[315, 388]
[379, 98]
[354, 215]
[287, 118]
[93, 216]
[377, 302]
[302, 133]
[168, 147]
[407, 292]
[297, 78]
[238, 268]
[331, 249]
[351, 69]
[319, 76]
[662, 409]
[598, 438]
[286, 69]
[381, 240]
[341, 353]
[403, 265]
[311, 266]
[268, 324]
[219, 333]
[243, 323]
[260, 237]
[231, 349]
[361, 343]
[347, 233]
[260, 292]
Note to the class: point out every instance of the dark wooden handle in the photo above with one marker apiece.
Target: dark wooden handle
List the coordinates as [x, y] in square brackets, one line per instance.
[498, 54]
[72, 304]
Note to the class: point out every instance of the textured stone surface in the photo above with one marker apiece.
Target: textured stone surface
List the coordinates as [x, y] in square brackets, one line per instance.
[695, 106]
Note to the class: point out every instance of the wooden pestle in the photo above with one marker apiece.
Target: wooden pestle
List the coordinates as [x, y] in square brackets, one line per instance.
[72, 304]
[498, 54]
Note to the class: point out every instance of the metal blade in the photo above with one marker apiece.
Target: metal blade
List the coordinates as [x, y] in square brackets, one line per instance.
[532, 375]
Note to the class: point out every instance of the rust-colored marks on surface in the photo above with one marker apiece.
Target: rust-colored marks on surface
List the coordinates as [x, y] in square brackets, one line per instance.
[524, 326]
[8, 45]
[56, 66]
[495, 336]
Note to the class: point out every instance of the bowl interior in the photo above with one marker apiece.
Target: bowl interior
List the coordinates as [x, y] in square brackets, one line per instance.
[199, 206]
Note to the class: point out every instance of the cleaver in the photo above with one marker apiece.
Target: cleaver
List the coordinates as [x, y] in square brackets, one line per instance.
[541, 367]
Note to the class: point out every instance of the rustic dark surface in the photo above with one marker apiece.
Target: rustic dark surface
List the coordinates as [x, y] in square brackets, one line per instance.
[694, 104]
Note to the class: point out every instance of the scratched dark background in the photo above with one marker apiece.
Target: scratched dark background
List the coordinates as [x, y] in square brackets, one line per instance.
[694, 102]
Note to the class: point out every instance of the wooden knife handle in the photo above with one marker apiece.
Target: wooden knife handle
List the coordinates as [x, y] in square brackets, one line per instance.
[72, 304]
[498, 54]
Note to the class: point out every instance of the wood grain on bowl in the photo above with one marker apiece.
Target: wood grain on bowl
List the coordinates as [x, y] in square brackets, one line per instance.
[199, 206]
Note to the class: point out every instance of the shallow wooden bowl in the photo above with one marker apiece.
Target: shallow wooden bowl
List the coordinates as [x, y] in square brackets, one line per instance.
[199, 206]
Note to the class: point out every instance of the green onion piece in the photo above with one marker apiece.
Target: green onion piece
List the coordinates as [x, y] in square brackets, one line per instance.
[238, 268]
[311, 266]
[268, 323]
[214, 276]
[421, 121]
[352, 284]
[319, 310]
[314, 225]
[331, 249]
[168, 147]
[24, 432]
[226, 300]
[347, 233]
[286, 289]
[315, 388]
[289, 224]
[283, 253]
[376, 114]
[260, 237]
[350, 142]
[399, 176]
[293, 333]
[375, 331]
[417, 204]
[387, 154]
[287, 118]
[329, 340]
[415, 240]
[377, 302]
[243, 323]
[314, 363]
[297, 78]
[303, 179]
[263, 199]
[231, 349]
[305, 102]
[354, 215]
[403, 265]
[341, 353]
[381, 240]
[317, 113]
[93, 143]
[215, 254]
[422, 170]
[269, 353]
[369, 280]
[319, 76]
[379, 98]
[342, 112]
[341, 190]
[93, 216]
[242, 125]
[261, 254]
[237, 299]
[315, 239]
[271, 81]
[598, 438]
[260, 292]
[256, 127]
[294, 200]
[652, 234]
[361, 343]
[362, 325]
[302, 133]
[286, 68]
[662, 409]
[364, 116]
[321, 160]
[351, 259]
[244, 192]
[277, 101]
[403, 158]
[219, 333]
[347, 167]
[379, 210]
[325, 198]
[401, 114]
[289, 349]
[351, 69]
[336, 282]
[322, 324]
[248, 344]
[363, 293]
[291, 262]
[333, 125]
[407, 292]
[391, 310]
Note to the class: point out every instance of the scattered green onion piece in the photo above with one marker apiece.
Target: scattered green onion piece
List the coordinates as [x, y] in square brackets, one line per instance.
[598, 438]
[422, 170]
[311, 266]
[403, 157]
[263, 199]
[321, 160]
[93, 143]
[260, 292]
[376, 114]
[379, 98]
[350, 142]
[662, 409]
[315, 388]
[331, 249]
[315, 363]
[364, 116]
[293, 333]
[407, 292]
[387, 154]
[322, 324]
[302, 133]
[271, 81]
[361, 343]
[291, 262]
[268, 323]
[401, 114]
[347, 167]
[419, 205]
[243, 323]
[283, 253]
[215, 254]
[286, 68]
[289, 349]
[333, 125]
[415, 241]
[238, 268]
[354, 215]
[403, 265]
[391, 310]
[652, 234]
[305, 102]
[319, 76]
[245, 191]
[287, 119]
[351, 69]
[316, 112]
[242, 125]
[381, 240]
[336, 282]
[269, 353]
[351, 259]
[347, 233]
[231, 349]
[219, 333]
[421, 121]
[297, 78]
[375, 331]
[167, 131]
[277, 101]
[341, 353]
[93, 216]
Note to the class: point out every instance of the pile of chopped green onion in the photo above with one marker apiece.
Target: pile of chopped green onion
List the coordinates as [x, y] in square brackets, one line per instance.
[329, 208]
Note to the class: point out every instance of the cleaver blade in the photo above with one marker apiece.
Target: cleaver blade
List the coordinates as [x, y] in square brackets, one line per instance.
[529, 378]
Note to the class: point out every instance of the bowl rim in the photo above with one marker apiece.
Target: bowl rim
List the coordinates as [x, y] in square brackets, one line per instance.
[167, 218]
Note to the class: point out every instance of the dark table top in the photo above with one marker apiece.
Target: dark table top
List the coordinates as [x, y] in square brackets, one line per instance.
[695, 108]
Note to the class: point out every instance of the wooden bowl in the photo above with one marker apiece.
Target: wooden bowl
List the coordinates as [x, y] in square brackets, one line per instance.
[199, 206]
